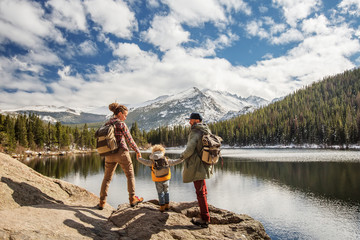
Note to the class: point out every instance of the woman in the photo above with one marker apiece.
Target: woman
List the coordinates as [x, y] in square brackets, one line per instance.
[121, 157]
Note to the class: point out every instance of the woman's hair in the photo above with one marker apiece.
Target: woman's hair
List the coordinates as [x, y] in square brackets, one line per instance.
[116, 108]
[157, 148]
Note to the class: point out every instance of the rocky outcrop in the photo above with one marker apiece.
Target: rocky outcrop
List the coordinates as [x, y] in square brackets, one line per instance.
[147, 222]
[33, 206]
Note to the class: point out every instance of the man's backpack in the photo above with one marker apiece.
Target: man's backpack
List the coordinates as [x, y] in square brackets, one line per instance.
[161, 167]
[210, 151]
[105, 140]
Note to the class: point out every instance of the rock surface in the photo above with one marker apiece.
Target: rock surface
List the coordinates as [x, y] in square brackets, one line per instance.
[33, 206]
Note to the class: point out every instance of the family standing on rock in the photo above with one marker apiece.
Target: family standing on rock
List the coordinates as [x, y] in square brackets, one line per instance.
[195, 170]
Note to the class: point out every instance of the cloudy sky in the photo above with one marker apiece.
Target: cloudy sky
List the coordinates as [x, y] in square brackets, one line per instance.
[80, 53]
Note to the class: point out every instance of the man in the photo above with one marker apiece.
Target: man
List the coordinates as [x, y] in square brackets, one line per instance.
[195, 170]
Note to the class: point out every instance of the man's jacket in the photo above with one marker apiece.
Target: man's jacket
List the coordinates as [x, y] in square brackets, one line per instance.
[194, 168]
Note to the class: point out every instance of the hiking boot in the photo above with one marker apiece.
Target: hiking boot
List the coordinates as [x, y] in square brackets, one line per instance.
[200, 222]
[101, 205]
[167, 206]
[162, 208]
[135, 200]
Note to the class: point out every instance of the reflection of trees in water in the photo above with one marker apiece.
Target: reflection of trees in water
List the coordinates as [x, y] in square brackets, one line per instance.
[340, 180]
[62, 166]
[84, 164]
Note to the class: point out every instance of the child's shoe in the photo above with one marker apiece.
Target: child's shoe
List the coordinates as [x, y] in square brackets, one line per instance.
[162, 208]
[135, 200]
[167, 206]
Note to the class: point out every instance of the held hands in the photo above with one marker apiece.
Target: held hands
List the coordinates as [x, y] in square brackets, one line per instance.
[138, 155]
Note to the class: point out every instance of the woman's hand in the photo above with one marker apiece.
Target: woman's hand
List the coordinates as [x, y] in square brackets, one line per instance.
[138, 155]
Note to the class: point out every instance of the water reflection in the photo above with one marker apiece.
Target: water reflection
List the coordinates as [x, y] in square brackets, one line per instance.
[339, 180]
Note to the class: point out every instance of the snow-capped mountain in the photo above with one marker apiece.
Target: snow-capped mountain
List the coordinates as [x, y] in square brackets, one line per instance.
[166, 110]
[58, 114]
[173, 109]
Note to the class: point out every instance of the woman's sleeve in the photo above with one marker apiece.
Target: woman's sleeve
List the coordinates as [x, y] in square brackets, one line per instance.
[125, 131]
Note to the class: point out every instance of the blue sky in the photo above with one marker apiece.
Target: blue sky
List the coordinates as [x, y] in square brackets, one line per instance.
[82, 53]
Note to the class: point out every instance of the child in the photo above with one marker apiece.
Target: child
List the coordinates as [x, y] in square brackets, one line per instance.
[160, 173]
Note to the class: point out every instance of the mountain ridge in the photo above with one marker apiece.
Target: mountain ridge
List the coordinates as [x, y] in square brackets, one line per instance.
[165, 110]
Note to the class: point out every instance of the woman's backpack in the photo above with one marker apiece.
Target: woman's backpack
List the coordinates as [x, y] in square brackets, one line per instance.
[161, 167]
[105, 140]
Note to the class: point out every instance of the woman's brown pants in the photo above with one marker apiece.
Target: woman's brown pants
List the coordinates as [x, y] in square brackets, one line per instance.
[123, 158]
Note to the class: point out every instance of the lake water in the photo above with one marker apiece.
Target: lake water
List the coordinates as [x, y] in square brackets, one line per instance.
[295, 194]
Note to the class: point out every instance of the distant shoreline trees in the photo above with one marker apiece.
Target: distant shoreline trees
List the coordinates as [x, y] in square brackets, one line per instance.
[30, 132]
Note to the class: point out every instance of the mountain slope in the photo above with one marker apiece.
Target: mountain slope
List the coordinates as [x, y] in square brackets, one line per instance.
[173, 109]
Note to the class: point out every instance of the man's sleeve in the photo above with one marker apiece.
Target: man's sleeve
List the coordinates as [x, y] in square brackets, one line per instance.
[190, 146]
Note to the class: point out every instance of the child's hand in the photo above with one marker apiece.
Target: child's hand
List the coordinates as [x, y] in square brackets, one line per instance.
[138, 155]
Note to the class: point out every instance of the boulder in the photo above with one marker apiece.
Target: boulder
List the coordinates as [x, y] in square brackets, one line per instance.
[33, 206]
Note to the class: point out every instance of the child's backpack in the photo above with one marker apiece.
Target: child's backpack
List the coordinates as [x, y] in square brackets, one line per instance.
[105, 140]
[161, 167]
[210, 151]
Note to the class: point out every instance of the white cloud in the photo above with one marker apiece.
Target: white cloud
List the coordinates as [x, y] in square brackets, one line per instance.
[29, 30]
[195, 13]
[263, 9]
[153, 3]
[210, 46]
[318, 25]
[254, 28]
[295, 11]
[69, 14]
[14, 75]
[114, 17]
[42, 57]
[350, 6]
[236, 5]
[291, 35]
[70, 83]
[88, 48]
[315, 57]
[132, 58]
[166, 33]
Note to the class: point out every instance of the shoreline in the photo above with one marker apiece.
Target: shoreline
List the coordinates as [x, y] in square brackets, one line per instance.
[352, 147]
[30, 153]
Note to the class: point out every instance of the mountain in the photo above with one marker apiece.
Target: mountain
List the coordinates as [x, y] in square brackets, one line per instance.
[58, 114]
[166, 110]
[172, 110]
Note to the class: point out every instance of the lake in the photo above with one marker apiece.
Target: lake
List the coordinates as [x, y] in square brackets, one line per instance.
[294, 193]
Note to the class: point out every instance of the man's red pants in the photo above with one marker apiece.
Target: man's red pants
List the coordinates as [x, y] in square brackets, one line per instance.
[201, 192]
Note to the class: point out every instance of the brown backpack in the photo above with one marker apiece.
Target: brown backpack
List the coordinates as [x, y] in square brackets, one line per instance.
[210, 151]
[105, 140]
